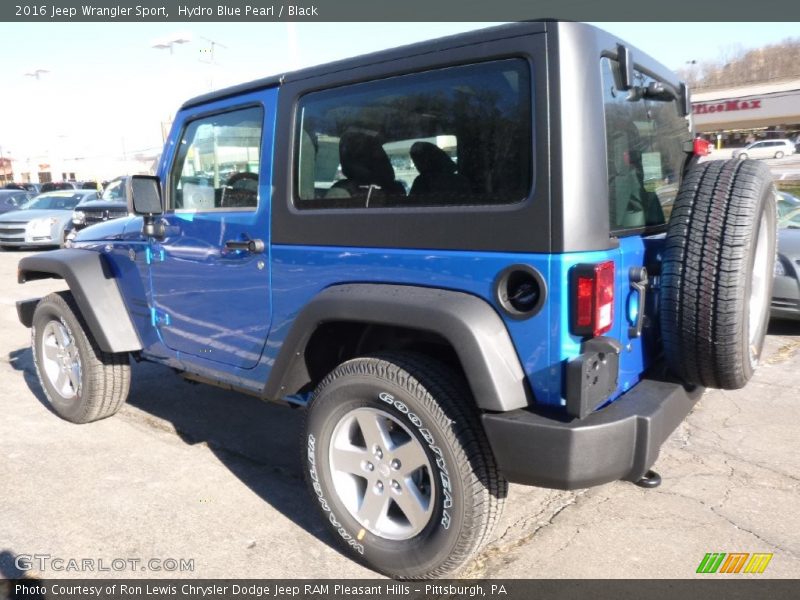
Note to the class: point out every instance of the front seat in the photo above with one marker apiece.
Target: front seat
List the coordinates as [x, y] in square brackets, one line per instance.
[369, 175]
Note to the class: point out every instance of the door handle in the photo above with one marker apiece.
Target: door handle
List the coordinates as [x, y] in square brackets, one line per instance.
[252, 246]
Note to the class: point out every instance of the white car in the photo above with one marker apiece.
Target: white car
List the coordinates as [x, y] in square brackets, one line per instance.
[765, 149]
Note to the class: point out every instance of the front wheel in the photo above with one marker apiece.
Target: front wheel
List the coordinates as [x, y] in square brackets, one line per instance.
[81, 382]
[779, 154]
[742, 156]
[400, 467]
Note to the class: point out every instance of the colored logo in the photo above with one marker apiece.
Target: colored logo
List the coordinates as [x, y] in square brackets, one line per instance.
[734, 562]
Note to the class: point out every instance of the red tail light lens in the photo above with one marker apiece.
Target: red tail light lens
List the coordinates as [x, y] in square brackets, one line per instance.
[593, 298]
[701, 147]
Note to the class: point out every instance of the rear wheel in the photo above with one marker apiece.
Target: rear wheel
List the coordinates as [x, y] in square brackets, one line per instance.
[779, 154]
[399, 465]
[81, 382]
[717, 273]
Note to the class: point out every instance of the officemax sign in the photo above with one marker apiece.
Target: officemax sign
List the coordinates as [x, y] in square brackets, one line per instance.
[725, 106]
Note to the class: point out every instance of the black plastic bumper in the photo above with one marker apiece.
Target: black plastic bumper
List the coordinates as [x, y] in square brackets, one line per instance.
[620, 441]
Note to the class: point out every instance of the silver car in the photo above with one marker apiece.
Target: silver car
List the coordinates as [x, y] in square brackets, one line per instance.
[42, 220]
[765, 149]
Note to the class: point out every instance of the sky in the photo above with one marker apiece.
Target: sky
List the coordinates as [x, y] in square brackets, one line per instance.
[107, 90]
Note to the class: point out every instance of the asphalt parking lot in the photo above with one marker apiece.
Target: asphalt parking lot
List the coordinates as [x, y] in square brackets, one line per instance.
[192, 473]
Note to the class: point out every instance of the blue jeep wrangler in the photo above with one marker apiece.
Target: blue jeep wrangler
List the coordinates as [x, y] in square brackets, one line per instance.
[489, 258]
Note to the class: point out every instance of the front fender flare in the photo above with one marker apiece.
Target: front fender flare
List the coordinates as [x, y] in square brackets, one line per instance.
[471, 325]
[94, 287]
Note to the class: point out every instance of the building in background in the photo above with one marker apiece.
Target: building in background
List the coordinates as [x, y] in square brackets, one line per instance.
[738, 115]
[45, 168]
[6, 170]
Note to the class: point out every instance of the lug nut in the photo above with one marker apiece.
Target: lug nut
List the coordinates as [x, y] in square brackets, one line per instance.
[378, 452]
[396, 464]
[369, 466]
[395, 486]
[379, 487]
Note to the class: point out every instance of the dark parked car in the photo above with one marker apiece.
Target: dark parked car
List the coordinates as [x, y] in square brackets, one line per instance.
[786, 290]
[33, 188]
[52, 186]
[111, 205]
[13, 199]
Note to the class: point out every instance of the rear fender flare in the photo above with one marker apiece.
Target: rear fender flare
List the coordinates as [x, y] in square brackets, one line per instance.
[468, 323]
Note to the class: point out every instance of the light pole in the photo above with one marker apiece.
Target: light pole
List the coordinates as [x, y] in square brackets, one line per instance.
[211, 62]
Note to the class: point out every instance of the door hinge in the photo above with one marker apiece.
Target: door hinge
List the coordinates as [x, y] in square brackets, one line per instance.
[158, 317]
[151, 256]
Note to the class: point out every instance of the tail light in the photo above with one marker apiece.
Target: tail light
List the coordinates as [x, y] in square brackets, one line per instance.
[592, 298]
[701, 147]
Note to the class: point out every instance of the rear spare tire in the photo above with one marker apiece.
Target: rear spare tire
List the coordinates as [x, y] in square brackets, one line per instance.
[717, 273]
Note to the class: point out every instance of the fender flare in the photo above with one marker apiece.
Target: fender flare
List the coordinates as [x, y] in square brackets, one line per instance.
[91, 280]
[470, 324]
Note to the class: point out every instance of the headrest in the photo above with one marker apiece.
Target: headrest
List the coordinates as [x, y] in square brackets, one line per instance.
[430, 159]
[364, 160]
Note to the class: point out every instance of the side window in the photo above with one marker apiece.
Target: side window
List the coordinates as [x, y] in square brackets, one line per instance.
[645, 142]
[453, 136]
[216, 166]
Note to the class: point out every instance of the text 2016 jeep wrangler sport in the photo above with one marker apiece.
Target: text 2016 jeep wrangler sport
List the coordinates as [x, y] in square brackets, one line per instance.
[492, 257]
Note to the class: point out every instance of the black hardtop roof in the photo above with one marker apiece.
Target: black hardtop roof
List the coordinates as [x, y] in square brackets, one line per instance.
[425, 47]
[603, 41]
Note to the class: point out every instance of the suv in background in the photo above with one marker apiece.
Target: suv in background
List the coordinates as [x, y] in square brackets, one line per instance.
[111, 205]
[765, 149]
[410, 247]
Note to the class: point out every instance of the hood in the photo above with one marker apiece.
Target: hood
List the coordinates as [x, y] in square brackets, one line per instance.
[114, 229]
[102, 205]
[23, 216]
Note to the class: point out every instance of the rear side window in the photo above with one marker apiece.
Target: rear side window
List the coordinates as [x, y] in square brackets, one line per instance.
[645, 141]
[453, 136]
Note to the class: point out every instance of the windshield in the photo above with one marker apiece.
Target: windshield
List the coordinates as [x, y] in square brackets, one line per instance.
[790, 220]
[115, 191]
[53, 202]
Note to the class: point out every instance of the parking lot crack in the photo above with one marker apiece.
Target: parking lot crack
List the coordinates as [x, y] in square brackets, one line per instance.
[760, 538]
[500, 550]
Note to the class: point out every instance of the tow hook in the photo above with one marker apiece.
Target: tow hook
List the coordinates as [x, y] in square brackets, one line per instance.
[651, 479]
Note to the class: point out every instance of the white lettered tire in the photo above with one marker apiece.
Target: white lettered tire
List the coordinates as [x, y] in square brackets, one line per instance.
[398, 463]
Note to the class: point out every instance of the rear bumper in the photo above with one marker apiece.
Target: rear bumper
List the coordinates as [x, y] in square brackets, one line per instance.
[621, 441]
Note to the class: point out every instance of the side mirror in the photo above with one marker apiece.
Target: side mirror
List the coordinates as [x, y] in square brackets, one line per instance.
[144, 198]
[625, 60]
[144, 195]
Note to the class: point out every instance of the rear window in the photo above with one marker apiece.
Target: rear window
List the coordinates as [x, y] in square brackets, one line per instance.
[454, 136]
[645, 141]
